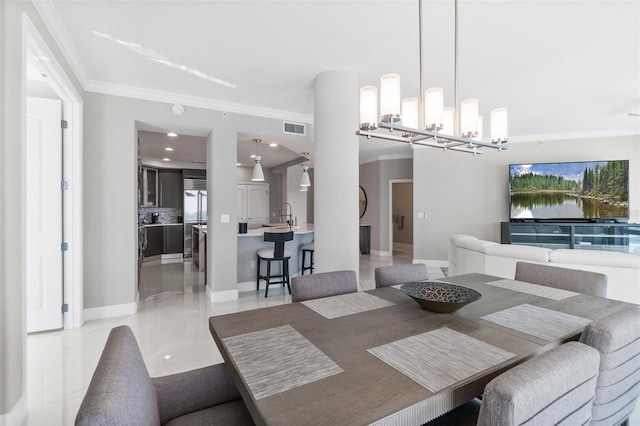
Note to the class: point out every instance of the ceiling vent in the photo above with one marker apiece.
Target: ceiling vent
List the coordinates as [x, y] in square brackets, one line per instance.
[294, 128]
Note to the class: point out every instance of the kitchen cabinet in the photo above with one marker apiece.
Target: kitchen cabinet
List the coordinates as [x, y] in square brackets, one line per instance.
[155, 241]
[173, 239]
[147, 187]
[253, 203]
[170, 191]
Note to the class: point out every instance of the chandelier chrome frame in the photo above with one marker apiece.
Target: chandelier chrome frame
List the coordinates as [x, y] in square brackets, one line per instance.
[429, 135]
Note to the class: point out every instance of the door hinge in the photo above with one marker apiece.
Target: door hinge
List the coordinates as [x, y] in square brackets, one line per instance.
[64, 185]
[65, 308]
[64, 247]
[64, 124]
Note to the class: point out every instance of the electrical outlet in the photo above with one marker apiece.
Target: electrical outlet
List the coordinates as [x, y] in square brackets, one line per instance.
[253, 264]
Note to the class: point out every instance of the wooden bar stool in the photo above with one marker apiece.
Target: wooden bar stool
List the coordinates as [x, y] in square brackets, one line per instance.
[275, 254]
[307, 248]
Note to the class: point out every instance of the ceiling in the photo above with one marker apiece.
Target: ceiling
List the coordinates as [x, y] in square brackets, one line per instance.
[564, 69]
[188, 151]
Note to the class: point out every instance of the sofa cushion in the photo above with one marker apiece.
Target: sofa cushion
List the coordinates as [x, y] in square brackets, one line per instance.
[595, 258]
[474, 244]
[454, 238]
[534, 254]
[228, 414]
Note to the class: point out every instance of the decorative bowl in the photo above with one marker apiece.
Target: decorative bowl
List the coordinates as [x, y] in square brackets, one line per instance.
[436, 296]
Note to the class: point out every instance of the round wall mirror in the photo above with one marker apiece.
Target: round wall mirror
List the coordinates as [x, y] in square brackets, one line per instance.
[363, 202]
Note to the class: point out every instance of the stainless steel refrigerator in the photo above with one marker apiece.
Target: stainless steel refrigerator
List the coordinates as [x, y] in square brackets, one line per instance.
[195, 209]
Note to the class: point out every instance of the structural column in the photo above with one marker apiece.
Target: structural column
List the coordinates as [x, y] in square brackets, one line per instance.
[336, 169]
[222, 225]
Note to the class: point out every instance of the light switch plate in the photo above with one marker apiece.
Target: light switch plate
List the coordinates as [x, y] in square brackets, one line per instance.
[225, 218]
[421, 215]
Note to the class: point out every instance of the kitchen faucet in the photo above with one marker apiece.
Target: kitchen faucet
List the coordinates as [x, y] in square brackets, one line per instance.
[290, 215]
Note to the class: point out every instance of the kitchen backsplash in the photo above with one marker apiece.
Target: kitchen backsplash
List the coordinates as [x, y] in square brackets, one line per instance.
[167, 214]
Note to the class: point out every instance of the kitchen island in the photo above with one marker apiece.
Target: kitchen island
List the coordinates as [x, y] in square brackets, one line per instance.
[253, 240]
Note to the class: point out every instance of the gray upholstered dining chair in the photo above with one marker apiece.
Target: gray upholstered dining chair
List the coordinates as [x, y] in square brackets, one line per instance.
[556, 387]
[397, 274]
[587, 282]
[122, 393]
[617, 338]
[306, 287]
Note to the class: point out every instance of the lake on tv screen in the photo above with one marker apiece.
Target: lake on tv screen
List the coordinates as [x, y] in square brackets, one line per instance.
[569, 190]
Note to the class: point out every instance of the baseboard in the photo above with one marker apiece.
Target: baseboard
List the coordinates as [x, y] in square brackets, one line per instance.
[162, 259]
[17, 415]
[438, 263]
[110, 311]
[251, 285]
[403, 248]
[381, 253]
[221, 296]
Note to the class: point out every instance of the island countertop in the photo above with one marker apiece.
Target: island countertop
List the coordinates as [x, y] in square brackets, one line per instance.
[304, 228]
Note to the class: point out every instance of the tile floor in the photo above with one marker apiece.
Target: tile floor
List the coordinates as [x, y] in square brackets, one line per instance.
[171, 328]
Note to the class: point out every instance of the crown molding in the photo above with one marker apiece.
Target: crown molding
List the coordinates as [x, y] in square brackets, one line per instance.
[60, 36]
[574, 135]
[194, 101]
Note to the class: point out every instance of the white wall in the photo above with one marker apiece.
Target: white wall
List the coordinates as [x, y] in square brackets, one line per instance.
[12, 202]
[463, 194]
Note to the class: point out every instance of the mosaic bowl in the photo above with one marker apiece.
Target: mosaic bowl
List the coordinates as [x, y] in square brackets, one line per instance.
[441, 297]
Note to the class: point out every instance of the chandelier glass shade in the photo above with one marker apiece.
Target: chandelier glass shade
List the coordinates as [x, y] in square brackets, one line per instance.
[425, 120]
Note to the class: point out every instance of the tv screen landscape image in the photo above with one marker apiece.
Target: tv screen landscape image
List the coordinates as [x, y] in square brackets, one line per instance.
[569, 190]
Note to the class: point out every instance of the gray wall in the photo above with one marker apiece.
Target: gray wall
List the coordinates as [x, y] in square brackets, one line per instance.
[374, 178]
[12, 160]
[110, 179]
[463, 194]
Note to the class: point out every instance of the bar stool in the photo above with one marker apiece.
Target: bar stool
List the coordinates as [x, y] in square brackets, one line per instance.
[307, 248]
[276, 254]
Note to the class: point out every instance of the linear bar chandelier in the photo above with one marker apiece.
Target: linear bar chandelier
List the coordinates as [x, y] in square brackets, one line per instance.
[425, 121]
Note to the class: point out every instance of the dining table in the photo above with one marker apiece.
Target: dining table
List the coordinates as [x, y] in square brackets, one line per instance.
[377, 357]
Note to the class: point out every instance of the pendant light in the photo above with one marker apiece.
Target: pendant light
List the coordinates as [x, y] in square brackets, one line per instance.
[258, 174]
[304, 180]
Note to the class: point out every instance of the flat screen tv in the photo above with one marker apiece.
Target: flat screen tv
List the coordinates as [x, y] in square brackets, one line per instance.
[581, 191]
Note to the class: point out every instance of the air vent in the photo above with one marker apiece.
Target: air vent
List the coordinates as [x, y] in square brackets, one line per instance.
[294, 128]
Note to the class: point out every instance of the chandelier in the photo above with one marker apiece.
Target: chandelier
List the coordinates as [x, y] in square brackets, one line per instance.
[425, 120]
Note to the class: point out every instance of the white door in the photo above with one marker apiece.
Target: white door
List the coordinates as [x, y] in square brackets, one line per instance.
[44, 214]
[258, 204]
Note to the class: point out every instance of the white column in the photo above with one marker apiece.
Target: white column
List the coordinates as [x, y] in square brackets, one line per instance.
[222, 222]
[336, 171]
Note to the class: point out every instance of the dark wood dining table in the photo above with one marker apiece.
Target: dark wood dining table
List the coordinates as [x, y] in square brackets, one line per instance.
[377, 357]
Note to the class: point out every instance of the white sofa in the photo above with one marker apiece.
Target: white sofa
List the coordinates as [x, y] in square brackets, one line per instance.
[468, 254]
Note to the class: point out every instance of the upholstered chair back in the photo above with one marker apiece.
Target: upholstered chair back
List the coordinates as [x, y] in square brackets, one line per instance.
[591, 283]
[315, 286]
[557, 387]
[617, 338]
[398, 274]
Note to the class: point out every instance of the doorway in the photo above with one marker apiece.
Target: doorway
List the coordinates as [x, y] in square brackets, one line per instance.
[401, 216]
[171, 201]
[45, 78]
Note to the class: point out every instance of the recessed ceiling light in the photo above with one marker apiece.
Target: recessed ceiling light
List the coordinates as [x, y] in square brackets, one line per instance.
[252, 156]
[238, 164]
[273, 145]
[166, 159]
[172, 134]
[167, 356]
[168, 148]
